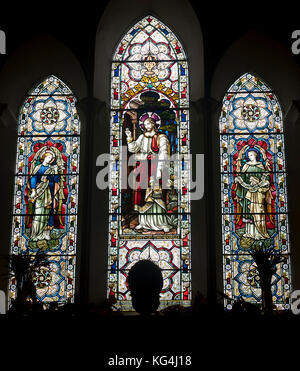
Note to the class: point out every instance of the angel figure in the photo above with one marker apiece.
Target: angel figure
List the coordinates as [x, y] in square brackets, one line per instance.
[45, 191]
[253, 193]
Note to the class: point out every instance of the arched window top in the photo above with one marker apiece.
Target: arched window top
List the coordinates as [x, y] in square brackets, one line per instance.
[250, 105]
[49, 109]
[46, 189]
[253, 192]
[149, 38]
[149, 58]
[52, 85]
[149, 124]
[119, 20]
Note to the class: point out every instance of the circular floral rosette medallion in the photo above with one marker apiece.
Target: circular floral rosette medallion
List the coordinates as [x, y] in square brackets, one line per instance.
[250, 112]
[50, 115]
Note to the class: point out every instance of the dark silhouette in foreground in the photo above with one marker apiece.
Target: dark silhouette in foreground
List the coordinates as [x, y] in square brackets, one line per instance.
[145, 283]
[25, 271]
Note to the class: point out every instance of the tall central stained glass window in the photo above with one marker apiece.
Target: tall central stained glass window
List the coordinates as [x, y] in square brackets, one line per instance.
[46, 188]
[253, 188]
[149, 218]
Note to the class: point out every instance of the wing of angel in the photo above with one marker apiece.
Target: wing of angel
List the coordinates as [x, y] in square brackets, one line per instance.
[239, 209]
[59, 159]
[33, 167]
[33, 170]
[269, 199]
[60, 193]
[36, 157]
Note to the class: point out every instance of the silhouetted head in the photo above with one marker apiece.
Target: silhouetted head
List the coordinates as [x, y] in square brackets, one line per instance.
[145, 282]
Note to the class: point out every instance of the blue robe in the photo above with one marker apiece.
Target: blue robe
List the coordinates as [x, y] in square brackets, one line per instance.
[52, 178]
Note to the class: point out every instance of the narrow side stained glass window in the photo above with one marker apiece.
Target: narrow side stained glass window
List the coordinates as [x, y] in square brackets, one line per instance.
[150, 125]
[46, 188]
[253, 188]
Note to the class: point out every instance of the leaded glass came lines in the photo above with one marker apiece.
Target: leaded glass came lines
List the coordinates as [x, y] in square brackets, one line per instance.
[253, 189]
[46, 188]
[150, 119]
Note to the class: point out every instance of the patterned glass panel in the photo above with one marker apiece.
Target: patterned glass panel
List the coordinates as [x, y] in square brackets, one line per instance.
[253, 189]
[149, 124]
[46, 187]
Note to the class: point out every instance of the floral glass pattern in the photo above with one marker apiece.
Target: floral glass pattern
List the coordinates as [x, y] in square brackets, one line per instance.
[253, 189]
[46, 188]
[150, 121]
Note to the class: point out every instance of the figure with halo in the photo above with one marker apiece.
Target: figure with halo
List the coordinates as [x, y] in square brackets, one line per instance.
[151, 151]
[45, 191]
[253, 192]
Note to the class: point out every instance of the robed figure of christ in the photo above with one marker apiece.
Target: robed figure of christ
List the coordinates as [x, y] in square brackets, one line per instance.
[151, 151]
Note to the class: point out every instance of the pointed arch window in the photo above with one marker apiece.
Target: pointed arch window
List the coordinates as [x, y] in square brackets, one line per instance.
[149, 87]
[253, 188]
[46, 188]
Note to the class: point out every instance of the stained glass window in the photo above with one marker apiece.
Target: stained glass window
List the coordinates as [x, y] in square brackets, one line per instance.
[46, 188]
[150, 123]
[253, 188]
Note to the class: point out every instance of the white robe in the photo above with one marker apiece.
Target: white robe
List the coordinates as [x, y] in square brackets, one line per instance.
[152, 216]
